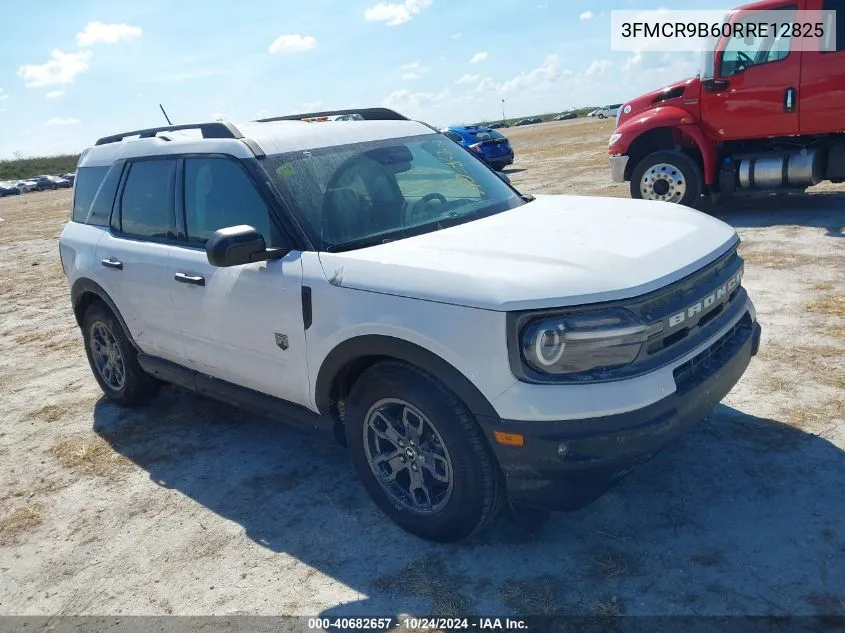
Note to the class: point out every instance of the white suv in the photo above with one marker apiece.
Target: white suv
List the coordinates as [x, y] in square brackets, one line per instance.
[377, 281]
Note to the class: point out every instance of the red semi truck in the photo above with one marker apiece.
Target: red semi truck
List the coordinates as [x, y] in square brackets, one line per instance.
[757, 117]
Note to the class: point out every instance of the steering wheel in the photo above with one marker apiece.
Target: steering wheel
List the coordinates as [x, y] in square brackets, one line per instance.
[422, 203]
[743, 60]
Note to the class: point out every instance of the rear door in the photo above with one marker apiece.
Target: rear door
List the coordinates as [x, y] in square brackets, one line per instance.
[133, 256]
[242, 324]
[759, 93]
[822, 95]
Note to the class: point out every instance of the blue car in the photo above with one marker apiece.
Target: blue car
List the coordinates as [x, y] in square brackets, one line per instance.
[490, 146]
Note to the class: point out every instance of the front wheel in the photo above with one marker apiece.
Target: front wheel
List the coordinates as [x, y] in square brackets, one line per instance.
[420, 454]
[113, 358]
[667, 176]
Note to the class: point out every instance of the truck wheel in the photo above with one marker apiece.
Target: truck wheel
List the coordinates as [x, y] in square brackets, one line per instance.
[420, 454]
[668, 176]
[114, 360]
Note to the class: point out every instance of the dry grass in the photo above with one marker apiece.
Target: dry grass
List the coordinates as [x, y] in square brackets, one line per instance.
[91, 456]
[816, 419]
[821, 286]
[611, 565]
[777, 384]
[823, 364]
[19, 522]
[776, 260]
[712, 559]
[533, 596]
[831, 305]
[428, 578]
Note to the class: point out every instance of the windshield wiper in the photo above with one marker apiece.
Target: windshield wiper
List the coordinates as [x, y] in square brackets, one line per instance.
[363, 242]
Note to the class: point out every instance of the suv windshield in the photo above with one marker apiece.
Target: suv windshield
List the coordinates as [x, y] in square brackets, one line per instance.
[351, 196]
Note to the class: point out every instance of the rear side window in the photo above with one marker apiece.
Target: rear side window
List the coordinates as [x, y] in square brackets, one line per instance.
[146, 205]
[218, 194]
[88, 181]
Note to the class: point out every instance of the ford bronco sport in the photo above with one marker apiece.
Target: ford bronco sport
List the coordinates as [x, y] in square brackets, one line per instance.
[373, 279]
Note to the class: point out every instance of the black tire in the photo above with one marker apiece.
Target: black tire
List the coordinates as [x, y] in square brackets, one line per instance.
[477, 483]
[137, 386]
[684, 169]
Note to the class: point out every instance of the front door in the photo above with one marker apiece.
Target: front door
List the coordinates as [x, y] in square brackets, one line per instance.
[242, 324]
[755, 92]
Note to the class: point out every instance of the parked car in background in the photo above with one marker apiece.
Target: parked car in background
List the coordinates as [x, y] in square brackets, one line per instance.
[25, 186]
[565, 116]
[43, 183]
[490, 146]
[497, 126]
[593, 113]
[8, 188]
[608, 112]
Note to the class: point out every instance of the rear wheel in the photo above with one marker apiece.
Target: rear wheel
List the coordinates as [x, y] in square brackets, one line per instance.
[113, 358]
[420, 454]
[668, 176]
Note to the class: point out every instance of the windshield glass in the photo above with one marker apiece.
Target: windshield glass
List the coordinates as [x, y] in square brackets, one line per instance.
[487, 135]
[351, 196]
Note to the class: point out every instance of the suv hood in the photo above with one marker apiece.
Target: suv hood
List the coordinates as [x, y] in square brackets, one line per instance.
[554, 251]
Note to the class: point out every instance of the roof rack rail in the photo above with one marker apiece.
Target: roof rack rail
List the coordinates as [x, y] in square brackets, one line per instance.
[215, 129]
[368, 114]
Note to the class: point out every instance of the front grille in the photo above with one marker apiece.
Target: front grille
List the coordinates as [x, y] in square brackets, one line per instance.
[704, 364]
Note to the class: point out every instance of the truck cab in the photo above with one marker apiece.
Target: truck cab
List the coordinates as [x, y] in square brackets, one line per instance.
[760, 115]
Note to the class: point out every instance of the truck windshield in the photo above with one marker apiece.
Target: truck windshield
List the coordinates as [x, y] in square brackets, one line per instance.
[352, 196]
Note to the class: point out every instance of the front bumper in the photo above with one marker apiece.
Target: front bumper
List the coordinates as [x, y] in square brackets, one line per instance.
[617, 168]
[568, 464]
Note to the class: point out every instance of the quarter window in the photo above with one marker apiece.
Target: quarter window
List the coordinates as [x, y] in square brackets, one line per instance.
[88, 180]
[218, 194]
[146, 205]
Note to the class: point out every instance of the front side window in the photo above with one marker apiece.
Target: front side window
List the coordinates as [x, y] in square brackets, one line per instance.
[218, 194]
[744, 51]
[146, 205]
[353, 195]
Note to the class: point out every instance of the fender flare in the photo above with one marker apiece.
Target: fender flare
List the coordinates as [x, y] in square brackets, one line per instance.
[398, 349]
[673, 117]
[84, 286]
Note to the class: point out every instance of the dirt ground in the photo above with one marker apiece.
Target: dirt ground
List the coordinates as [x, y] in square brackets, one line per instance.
[190, 507]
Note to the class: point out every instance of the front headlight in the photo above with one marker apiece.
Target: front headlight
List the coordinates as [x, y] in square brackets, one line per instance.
[572, 344]
[613, 139]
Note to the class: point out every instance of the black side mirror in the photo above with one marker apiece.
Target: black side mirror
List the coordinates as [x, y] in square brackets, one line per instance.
[715, 85]
[238, 245]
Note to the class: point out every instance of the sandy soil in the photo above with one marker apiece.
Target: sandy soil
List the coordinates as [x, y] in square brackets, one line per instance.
[189, 507]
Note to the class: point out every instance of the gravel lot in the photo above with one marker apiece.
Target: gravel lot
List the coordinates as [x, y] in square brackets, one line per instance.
[190, 507]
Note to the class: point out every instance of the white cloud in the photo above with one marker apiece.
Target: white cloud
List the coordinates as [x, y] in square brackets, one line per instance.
[468, 79]
[414, 70]
[406, 100]
[536, 78]
[478, 57]
[55, 94]
[99, 33]
[598, 67]
[456, 36]
[292, 43]
[486, 84]
[62, 121]
[3, 95]
[61, 69]
[394, 14]
[587, 15]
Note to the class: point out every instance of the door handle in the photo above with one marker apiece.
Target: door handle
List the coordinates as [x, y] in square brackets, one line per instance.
[112, 263]
[195, 280]
[789, 100]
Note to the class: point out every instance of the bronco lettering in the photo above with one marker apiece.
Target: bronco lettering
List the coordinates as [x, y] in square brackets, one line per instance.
[710, 300]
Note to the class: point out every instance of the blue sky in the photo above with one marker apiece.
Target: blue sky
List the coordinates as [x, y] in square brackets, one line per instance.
[74, 71]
